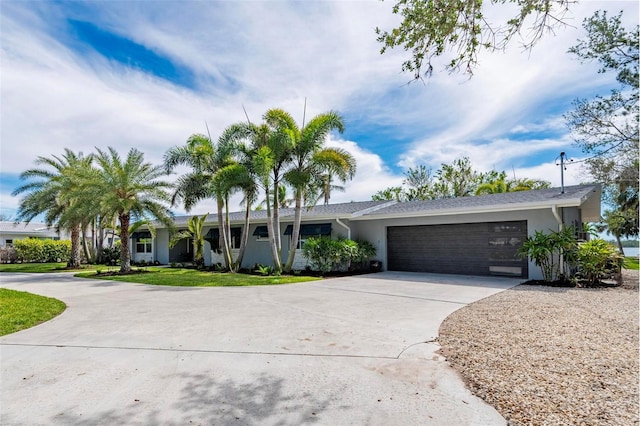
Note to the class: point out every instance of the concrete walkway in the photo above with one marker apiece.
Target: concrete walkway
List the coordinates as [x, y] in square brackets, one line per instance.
[355, 350]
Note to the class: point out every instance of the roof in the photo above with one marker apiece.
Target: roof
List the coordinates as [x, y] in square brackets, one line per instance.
[344, 210]
[31, 228]
[585, 196]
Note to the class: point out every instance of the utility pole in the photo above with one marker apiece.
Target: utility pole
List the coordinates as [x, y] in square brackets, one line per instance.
[563, 167]
[562, 154]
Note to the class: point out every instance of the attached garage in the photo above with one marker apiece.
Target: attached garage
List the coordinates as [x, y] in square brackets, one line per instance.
[487, 248]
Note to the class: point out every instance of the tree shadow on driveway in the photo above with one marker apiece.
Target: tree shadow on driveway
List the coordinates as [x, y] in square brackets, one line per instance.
[204, 400]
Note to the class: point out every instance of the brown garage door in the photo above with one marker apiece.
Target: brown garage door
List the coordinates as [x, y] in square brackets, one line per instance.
[488, 248]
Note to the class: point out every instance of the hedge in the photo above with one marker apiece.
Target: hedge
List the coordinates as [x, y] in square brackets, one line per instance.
[35, 250]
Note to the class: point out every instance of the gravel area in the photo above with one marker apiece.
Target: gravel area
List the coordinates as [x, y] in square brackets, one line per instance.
[551, 356]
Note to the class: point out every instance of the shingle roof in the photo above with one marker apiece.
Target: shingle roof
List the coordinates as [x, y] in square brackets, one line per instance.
[572, 195]
[329, 210]
[27, 228]
[362, 210]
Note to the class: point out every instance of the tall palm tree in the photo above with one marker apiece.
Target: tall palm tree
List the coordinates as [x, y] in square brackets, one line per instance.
[260, 151]
[204, 181]
[55, 193]
[310, 161]
[280, 140]
[130, 189]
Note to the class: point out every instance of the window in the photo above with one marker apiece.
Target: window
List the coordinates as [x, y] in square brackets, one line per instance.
[213, 237]
[9, 243]
[143, 242]
[143, 245]
[261, 233]
[310, 230]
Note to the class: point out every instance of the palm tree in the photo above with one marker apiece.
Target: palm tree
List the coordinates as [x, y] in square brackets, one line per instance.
[261, 151]
[56, 194]
[279, 139]
[194, 232]
[129, 189]
[322, 188]
[283, 201]
[205, 160]
[497, 186]
[310, 162]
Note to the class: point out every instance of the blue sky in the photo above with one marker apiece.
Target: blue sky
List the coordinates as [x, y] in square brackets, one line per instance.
[148, 74]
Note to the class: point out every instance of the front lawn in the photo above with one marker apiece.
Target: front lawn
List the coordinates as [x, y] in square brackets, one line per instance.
[20, 310]
[182, 277]
[36, 267]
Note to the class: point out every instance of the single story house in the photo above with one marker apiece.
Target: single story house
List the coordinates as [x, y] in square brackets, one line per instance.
[477, 235]
[11, 231]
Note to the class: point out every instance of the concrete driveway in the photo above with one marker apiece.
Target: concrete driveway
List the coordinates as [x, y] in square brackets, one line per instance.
[355, 350]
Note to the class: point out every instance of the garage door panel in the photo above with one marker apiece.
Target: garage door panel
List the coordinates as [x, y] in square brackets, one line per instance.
[488, 248]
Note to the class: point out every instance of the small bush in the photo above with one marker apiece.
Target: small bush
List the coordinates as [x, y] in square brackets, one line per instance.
[598, 259]
[8, 255]
[111, 255]
[264, 270]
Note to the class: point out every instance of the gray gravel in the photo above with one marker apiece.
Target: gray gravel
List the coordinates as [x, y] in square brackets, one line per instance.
[551, 356]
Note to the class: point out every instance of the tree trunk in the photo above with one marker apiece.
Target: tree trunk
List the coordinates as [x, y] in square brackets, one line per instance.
[222, 233]
[100, 244]
[125, 253]
[295, 234]
[74, 258]
[85, 247]
[620, 245]
[245, 236]
[276, 218]
[277, 265]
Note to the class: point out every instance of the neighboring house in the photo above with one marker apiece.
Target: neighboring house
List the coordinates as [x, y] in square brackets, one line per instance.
[11, 231]
[468, 235]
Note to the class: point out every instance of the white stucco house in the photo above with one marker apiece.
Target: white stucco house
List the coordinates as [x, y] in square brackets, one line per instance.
[469, 235]
[11, 231]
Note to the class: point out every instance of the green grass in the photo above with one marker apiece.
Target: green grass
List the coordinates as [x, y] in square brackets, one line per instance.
[20, 310]
[36, 267]
[181, 277]
[631, 263]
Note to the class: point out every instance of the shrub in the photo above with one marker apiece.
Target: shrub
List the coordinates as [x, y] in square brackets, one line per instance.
[34, 250]
[328, 255]
[323, 253]
[547, 249]
[8, 255]
[597, 259]
[111, 255]
[266, 270]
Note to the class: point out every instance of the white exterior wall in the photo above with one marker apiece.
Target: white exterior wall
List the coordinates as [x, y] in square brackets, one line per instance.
[161, 246]
[375, 231]
[219, 258]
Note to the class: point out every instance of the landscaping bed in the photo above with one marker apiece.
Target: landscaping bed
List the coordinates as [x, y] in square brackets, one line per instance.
[548, 355]
[190, 277]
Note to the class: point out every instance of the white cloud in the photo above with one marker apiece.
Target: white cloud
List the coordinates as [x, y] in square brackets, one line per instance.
[372, 175]
[274, 54]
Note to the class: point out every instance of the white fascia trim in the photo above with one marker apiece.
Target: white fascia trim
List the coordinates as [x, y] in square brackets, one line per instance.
[345, 227]
[486, 209]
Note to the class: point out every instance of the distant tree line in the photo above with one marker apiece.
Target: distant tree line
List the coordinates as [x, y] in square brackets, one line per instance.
[458, 179]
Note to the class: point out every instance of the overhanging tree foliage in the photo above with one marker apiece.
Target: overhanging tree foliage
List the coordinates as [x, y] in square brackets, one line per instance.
[459, 29]
[606, 127]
